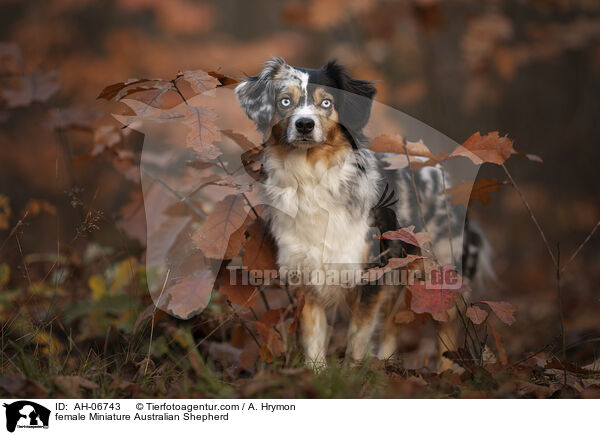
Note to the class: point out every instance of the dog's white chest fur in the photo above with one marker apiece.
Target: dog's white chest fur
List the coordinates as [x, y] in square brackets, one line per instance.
[312, 221]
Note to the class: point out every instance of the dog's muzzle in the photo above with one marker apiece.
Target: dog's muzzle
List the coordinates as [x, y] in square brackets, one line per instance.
[305, 125]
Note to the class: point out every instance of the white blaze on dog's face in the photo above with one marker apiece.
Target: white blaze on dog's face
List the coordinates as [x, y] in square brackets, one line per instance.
[305, 107]
[306, 112]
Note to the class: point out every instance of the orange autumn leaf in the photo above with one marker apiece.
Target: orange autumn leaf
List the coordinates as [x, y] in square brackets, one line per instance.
[490, 148]
[387, 143]
[465, 193]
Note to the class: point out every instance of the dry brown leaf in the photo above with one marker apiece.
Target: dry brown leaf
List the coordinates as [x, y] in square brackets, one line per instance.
[5, 212]
[190, 295]
[476, 314]
[200, 81]
[504, 310]
[235, 289]
[202, 131]
[239, 139]
[219, 236]
[259, 249]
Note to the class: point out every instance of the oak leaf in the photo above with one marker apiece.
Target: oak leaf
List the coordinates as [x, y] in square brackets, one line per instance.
[200, 81]
[235, 290]
[433, 301]
[476, 314]
[259, 249]
[395, 144]
[375, 273]
[490, 148]
[465, 193]
[190, 295]
[408, 235]
[504, 310]
[216, 237]
[202, 131]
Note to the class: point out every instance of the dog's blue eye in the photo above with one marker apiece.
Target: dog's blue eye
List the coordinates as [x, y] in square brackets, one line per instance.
[326, 103]
[285, 102]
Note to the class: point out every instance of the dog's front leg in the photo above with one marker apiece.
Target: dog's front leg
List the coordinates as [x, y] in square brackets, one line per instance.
[314, 334]
[363, 319]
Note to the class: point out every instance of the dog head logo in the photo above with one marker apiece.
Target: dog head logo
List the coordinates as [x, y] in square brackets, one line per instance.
[202, 167]
[26, 414]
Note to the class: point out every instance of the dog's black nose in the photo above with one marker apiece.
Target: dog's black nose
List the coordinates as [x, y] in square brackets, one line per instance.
[305, 125]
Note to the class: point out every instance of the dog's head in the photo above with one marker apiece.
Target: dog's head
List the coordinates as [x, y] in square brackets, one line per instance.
[305, 107]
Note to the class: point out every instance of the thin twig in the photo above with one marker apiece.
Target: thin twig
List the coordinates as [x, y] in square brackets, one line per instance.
[222, 164]
[414, 184]
[185, 200]
[152, 324]
[587, 239]
[560, 305]
[524, 200]
[447, 212]
[243, 323]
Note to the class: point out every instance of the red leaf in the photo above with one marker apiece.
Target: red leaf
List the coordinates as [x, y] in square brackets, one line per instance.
[375, 273]
[433, 301]
[408, 235]
[504, 310]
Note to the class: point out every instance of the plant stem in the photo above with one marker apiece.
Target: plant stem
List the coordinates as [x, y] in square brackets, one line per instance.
[512, 181]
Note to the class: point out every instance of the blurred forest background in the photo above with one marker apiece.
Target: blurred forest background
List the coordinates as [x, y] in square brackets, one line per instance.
[528, 69]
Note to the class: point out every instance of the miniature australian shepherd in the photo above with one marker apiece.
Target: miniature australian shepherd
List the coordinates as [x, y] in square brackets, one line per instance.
[329, 190]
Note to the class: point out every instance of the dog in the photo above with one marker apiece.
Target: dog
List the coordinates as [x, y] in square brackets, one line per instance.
[330, 194]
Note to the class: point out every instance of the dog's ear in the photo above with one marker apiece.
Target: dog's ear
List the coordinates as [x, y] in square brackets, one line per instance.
[355, 101]
[257, 94]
